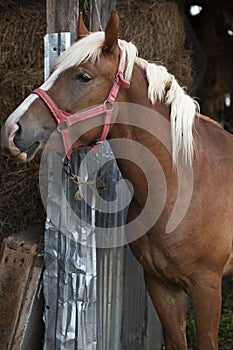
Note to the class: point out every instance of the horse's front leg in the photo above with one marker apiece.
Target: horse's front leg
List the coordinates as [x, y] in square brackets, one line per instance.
[170, 305]
[206, 294]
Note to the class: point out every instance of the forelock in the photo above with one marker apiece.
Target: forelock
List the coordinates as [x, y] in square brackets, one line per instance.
[88, 48]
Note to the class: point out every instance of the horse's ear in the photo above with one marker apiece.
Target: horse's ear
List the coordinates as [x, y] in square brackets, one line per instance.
[82, 30]
[111, 32]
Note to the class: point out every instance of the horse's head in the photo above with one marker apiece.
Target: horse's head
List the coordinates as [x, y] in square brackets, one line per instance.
[82, 78]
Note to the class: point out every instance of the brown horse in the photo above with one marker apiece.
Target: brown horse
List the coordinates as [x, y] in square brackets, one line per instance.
[198, 252]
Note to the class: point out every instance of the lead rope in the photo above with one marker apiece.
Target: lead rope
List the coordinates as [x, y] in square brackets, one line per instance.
[96, 185]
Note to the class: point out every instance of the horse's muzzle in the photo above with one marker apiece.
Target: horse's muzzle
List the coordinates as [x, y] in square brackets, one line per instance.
[8, 132]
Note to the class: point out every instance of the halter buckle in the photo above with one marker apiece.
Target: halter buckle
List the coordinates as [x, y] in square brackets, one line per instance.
[120, 79]
[61, 127]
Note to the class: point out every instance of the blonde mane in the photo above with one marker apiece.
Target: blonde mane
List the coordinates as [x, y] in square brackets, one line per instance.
[162, 86]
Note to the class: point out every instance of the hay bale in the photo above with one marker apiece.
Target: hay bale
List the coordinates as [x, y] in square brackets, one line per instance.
[157, 28]
[20, 205]
[6, 5]
[21, 60]
[20, 31]
[23, 25]
[25, 82]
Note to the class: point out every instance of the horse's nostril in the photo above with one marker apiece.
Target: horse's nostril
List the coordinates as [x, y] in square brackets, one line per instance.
[18, 133]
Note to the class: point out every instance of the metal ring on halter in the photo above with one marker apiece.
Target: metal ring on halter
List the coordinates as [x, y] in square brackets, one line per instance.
[108, 105]
[61, 127]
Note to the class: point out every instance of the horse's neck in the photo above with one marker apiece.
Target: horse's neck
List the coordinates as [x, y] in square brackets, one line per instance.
[127, 129]
[136, 95]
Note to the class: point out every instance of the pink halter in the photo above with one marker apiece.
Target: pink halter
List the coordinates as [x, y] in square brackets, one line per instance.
[65, 120]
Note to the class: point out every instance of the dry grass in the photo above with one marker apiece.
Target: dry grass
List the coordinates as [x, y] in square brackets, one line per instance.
[21, 69]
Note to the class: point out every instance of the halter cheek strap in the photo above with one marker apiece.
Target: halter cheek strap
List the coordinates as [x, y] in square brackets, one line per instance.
[65, 120]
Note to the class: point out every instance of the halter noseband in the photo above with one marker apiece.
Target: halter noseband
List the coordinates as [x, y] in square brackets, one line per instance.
[64, 120]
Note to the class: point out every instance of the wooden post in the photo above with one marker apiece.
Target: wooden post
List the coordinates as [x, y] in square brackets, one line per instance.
[99, 13]
[61, 15]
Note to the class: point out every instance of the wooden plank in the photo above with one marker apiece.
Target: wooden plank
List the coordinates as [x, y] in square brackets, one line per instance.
[106, 8]
[100, 12]
[61, 15]
[20, 274]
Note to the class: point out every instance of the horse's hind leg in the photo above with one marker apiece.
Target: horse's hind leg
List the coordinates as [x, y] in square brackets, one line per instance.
[206, 297]
[170, 305]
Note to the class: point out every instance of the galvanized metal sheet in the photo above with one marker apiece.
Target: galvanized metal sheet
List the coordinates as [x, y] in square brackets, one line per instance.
[54, 45]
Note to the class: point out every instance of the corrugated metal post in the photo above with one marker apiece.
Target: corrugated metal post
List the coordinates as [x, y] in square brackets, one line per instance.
[70, 268]
[110, 282]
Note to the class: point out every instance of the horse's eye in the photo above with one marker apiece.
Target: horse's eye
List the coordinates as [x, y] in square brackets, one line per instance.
[84, 78]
